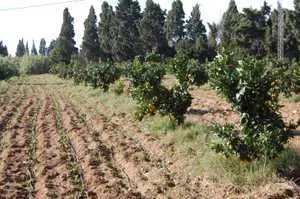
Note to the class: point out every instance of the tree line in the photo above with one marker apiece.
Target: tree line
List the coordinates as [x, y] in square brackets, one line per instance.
[126, 31]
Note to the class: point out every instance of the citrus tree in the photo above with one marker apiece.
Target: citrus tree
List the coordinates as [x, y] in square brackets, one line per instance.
[253, 87]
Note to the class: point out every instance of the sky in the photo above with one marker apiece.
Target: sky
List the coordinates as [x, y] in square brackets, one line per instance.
[45, 22]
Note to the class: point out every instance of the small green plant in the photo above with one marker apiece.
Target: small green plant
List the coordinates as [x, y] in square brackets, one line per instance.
[118, 89]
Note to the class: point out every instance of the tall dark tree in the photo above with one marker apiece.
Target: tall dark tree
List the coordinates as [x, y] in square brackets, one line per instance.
[20, 49]
[195, 43]
[90, 44]
[296, 22]
[3, 50]
[65, 45]
[126, 40]
[152, 29]
[27, 49]
[229, 23]
[175, 23]
[252, 29]
[33, 49]
[43, 48]
[291, 38]
[51, 47]
[194, 27]
[106, 31]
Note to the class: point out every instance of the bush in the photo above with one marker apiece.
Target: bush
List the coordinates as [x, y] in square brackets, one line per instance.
[79, 71]
[252, 87]
[151, 96]
[118, 89]
[188, 71]
[9, 67]
[102, 74]
[35, 64]
[63, 70]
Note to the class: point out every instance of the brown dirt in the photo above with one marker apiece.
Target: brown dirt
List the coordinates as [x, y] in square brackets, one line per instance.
[103, 179]
[52, 179]
[13, 173]
[114, 158]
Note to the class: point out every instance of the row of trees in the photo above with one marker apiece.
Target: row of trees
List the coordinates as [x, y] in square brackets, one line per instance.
[23, 49]
[256, 30]
[124, 32]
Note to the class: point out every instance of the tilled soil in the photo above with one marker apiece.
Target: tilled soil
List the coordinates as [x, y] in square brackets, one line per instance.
[51, 147]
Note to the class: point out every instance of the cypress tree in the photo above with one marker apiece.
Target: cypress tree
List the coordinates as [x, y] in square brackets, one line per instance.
[126, 39]
[252, 29]
[3, 50]
[229, 24]
[194, 26]
[27, 49]
[195, 43]
[51, 46]
[42, 48]
[175, 23]
[90, 43]
[33, 49]
[106, 31]
[65, 45]
[152, 29]
[20, 49]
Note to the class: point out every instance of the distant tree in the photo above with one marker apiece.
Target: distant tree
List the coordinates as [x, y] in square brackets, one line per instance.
[90, 44]
[213, 40]
[33, 49]
[3, 50]
[252, 29]
[42, 48]
[229, 24]
[65, 45]
[291, 38]
[106, 31]
[126, 40]
[20, 49]
[174, 26]
[195, 43]
[152, 29]
[194, 26]
[27, 49]
[51, 46]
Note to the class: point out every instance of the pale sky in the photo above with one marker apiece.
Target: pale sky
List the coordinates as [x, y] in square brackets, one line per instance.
[45, 22]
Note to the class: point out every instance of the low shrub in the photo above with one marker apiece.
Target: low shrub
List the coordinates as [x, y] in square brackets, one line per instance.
[101, 75]
[9, 67]
[35, 64]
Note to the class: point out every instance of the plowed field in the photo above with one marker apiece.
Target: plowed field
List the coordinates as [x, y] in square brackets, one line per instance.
[52, 146]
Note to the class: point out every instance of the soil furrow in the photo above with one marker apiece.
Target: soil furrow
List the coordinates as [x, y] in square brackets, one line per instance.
[102, 177]
[14, 177]
[147, 173]
[73, 167]
[10, 109]
[52, 179]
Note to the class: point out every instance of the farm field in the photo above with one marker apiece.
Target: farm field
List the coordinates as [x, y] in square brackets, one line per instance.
[64, 141]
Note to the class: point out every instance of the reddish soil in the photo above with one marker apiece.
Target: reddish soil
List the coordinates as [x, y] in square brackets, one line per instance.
[52, 148]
